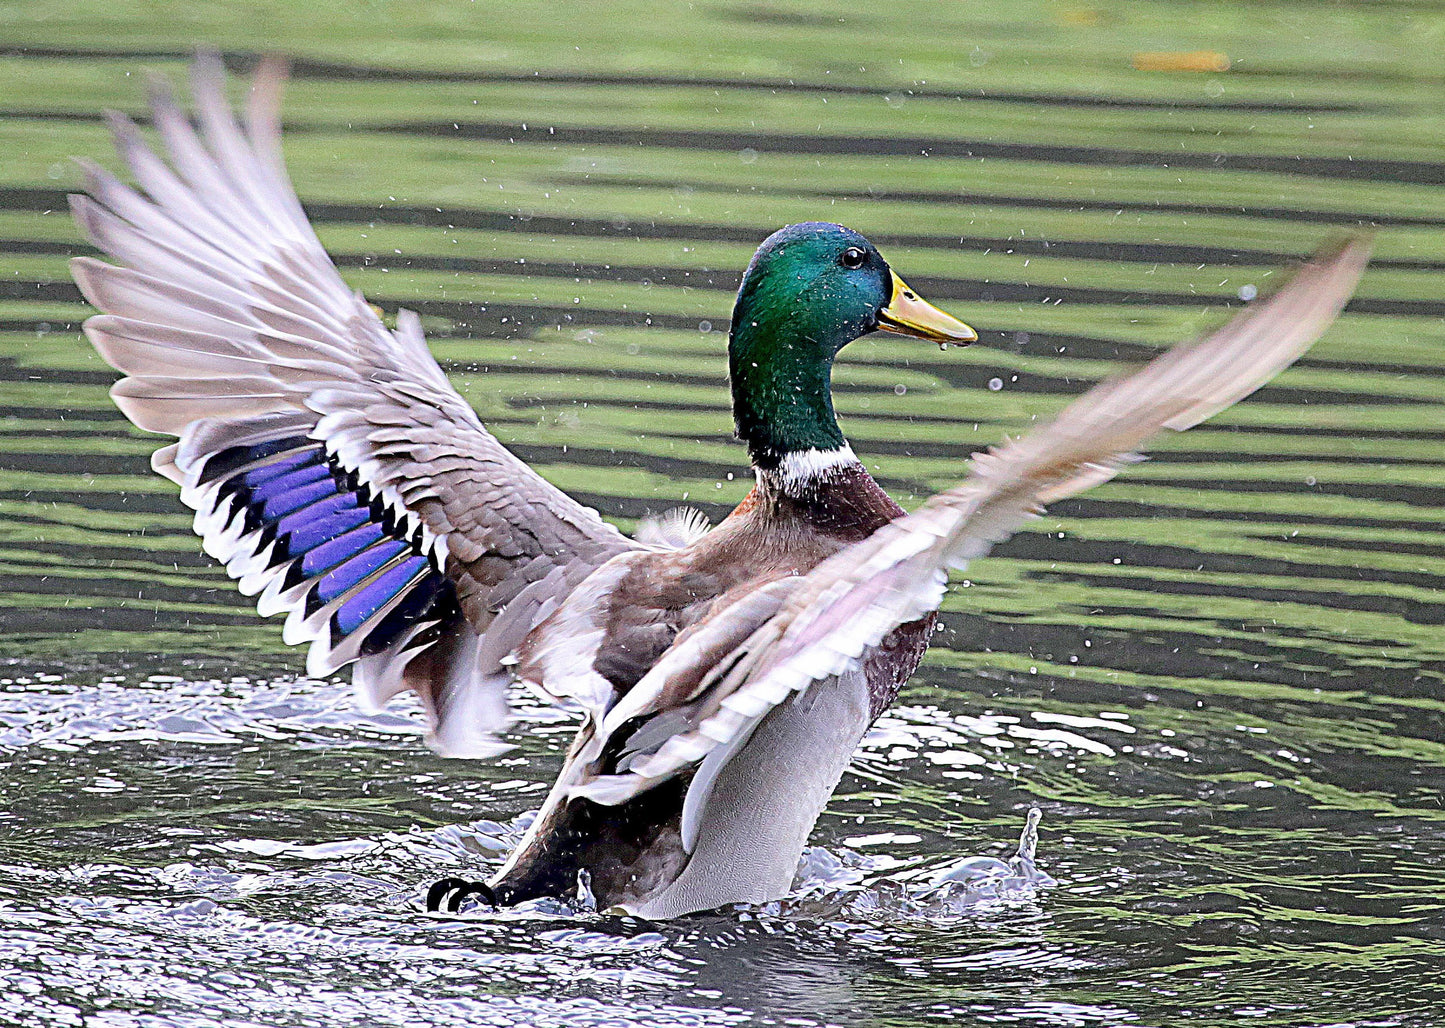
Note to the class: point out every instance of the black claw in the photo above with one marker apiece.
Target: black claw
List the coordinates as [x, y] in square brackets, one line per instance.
[469, 889]
[438, 891]
[449, 893]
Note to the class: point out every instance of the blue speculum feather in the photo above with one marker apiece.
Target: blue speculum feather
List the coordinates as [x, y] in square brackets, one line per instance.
[283, 466]
[325, 527]
[274, 486]
[418, 605]
[356, 570]
[295, 498]
[314, 513]
[336, 548]
[234, 458]
[371, 597]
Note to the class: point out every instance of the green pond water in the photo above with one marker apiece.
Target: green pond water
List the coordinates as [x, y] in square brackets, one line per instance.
[1219, 677]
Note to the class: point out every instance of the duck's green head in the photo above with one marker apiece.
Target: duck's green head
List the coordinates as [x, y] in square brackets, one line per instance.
[810, 290]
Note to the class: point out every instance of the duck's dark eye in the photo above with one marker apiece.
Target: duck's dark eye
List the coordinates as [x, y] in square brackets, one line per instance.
[852, 257]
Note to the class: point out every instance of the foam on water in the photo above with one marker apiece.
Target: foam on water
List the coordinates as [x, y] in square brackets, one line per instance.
[46, 711]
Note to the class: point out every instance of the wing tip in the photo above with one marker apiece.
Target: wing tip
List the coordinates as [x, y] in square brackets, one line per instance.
[1345, 252]
[1355, 243]
[271, 70]
[87, 272]
[1297, 312]
[208, 64]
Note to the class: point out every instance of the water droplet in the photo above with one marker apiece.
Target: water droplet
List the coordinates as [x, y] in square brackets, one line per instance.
[900, 389]
[1247, 292]
[585, 898]
[747, 155]
[995, 384]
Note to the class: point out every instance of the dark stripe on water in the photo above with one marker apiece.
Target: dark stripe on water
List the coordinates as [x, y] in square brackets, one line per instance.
[1407, 608]
[242, 63]
[38, 199]
[1160, 652]
[952, 198]
[1359, 169]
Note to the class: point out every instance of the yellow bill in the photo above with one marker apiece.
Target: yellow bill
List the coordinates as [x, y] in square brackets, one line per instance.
[908, 314]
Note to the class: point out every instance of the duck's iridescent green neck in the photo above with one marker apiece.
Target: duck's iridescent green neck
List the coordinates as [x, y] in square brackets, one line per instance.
[796, 309]
[782, 391]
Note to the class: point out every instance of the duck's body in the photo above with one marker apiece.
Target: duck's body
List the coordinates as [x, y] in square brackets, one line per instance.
[723, 678]
[781, 529]
[763, 804]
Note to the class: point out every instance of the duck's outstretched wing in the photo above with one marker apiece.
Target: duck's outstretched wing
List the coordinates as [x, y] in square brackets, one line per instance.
[719, 680]
[332, 466]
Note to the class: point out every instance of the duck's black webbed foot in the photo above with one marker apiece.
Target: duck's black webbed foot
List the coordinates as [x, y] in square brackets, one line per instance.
[449, 893]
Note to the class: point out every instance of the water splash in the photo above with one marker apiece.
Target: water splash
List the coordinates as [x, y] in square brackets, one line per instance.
[848, 883]
[974, 880]
[827, 882]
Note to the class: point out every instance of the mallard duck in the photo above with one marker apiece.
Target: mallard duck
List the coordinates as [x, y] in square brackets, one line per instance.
[723, 675]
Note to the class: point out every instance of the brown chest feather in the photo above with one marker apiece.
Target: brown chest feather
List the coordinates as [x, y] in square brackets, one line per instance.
[770, 535]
